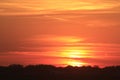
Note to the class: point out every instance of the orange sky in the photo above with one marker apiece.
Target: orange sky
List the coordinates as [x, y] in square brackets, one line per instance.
[60, 32]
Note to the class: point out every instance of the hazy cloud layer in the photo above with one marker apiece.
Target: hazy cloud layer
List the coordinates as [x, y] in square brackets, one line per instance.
[15, 7]
[38, 27]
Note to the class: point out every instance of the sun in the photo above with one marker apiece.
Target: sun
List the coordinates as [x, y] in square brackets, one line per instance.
[74, 57]
[74, 54]
[75, 63]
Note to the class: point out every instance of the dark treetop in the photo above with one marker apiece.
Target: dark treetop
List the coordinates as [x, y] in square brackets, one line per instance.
[49, 72]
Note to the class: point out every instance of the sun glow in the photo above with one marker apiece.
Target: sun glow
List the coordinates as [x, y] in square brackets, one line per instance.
[74, 55]
[75, 63]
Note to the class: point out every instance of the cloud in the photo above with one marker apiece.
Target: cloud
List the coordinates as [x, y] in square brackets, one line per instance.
[45, 29]
[14, 30]
[16, 7]
[107, 61]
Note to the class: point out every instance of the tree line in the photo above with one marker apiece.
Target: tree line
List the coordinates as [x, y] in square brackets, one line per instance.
[50, 72]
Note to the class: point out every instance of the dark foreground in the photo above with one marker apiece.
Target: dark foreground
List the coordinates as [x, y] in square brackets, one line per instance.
[49, 72]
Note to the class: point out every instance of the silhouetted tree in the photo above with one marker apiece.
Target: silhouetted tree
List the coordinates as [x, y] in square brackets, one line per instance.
[49, 72]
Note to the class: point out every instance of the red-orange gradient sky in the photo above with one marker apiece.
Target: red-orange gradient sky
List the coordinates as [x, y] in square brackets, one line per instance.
[60, 32]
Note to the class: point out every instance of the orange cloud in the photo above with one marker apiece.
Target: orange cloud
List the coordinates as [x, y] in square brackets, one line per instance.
[54, 38]
[48, 6]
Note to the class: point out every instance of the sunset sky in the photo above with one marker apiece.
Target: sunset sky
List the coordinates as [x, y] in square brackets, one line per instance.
[60, 32]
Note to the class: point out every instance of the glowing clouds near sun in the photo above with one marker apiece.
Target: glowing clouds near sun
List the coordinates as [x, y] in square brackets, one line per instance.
[59, 47]
[71, 32]
[56, 39]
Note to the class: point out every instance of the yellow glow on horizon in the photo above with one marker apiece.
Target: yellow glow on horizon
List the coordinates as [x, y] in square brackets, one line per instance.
[74, 55]
[75, 63]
